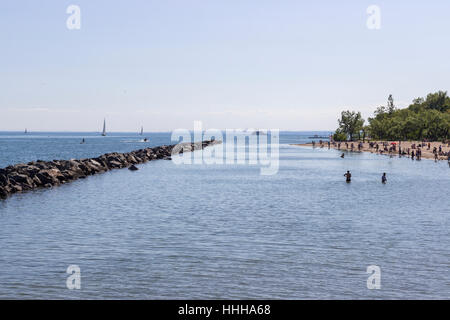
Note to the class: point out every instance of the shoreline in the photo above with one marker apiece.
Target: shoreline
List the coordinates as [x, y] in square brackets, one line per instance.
[426, 153]
[47, 174]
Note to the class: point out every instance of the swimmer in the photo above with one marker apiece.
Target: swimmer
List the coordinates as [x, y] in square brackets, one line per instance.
[348, 177]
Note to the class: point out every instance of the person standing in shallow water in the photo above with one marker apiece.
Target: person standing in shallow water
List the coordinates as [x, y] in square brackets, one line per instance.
[383, 178]
[348, 177]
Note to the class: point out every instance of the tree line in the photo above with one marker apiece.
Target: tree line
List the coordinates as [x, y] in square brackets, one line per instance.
[426, 118]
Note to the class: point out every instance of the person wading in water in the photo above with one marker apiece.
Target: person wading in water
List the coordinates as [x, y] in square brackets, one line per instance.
[348, 177]
[383, 178]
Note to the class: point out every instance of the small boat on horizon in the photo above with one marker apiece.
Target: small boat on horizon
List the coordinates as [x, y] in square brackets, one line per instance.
[104, 128]
[26, 131]
[141, 133]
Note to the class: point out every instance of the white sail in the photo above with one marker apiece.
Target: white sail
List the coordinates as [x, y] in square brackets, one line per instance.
[104, 127]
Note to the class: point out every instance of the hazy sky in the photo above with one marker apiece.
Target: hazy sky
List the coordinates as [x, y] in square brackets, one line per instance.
[292, 65]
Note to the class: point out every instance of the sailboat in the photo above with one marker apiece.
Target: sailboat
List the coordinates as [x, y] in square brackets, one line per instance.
[142, 133]
[26, 131]
[104, 128]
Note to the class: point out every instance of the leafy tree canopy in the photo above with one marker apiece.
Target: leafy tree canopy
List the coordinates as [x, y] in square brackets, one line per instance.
[426, 118]
[350, 123]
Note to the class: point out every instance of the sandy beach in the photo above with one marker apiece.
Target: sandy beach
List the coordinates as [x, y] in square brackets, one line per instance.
[427, 152]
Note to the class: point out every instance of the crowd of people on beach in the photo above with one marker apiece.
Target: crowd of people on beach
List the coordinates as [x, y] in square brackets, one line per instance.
[414, 151]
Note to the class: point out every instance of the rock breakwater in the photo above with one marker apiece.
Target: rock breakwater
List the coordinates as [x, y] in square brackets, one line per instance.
[47, 174]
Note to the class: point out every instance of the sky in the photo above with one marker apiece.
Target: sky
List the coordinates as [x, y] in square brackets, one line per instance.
[162, 64]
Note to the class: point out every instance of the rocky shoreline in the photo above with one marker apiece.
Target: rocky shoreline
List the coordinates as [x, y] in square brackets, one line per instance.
[46, 174]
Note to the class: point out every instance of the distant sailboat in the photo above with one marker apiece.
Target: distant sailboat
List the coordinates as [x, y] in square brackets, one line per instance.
[142, 131]
[26, 131]
[104, 127]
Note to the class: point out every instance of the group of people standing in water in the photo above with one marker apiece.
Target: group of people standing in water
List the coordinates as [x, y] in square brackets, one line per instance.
[348, 177]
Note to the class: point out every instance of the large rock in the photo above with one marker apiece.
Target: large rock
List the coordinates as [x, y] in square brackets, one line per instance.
[115, 164]
[131, 158]
[16, 188]
[3, 193]
[37, 182]
[67, 165]
[32, 170]
[51, 176]
[72, 175]
[4, 180]
[24, 181]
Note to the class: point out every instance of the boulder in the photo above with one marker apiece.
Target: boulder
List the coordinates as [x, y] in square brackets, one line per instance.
[115, 164]
[3, 193]
[37, 182]
[16, 188]
[22, 180]
[72, 175]
[130, 158]
[50, 176]
[4, 180]
[32, 170]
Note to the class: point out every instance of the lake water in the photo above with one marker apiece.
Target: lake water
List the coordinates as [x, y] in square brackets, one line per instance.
[225, 231]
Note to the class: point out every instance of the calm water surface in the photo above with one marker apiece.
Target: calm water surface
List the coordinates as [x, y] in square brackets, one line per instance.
[225, 231]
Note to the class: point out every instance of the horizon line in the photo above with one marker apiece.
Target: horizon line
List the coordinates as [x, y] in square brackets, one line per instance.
[168, 131]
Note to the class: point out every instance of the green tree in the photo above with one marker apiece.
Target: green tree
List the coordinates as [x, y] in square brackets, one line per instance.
[438, 101]
[339, 136]
[424, 119]
[350, 123]
[366, 132]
